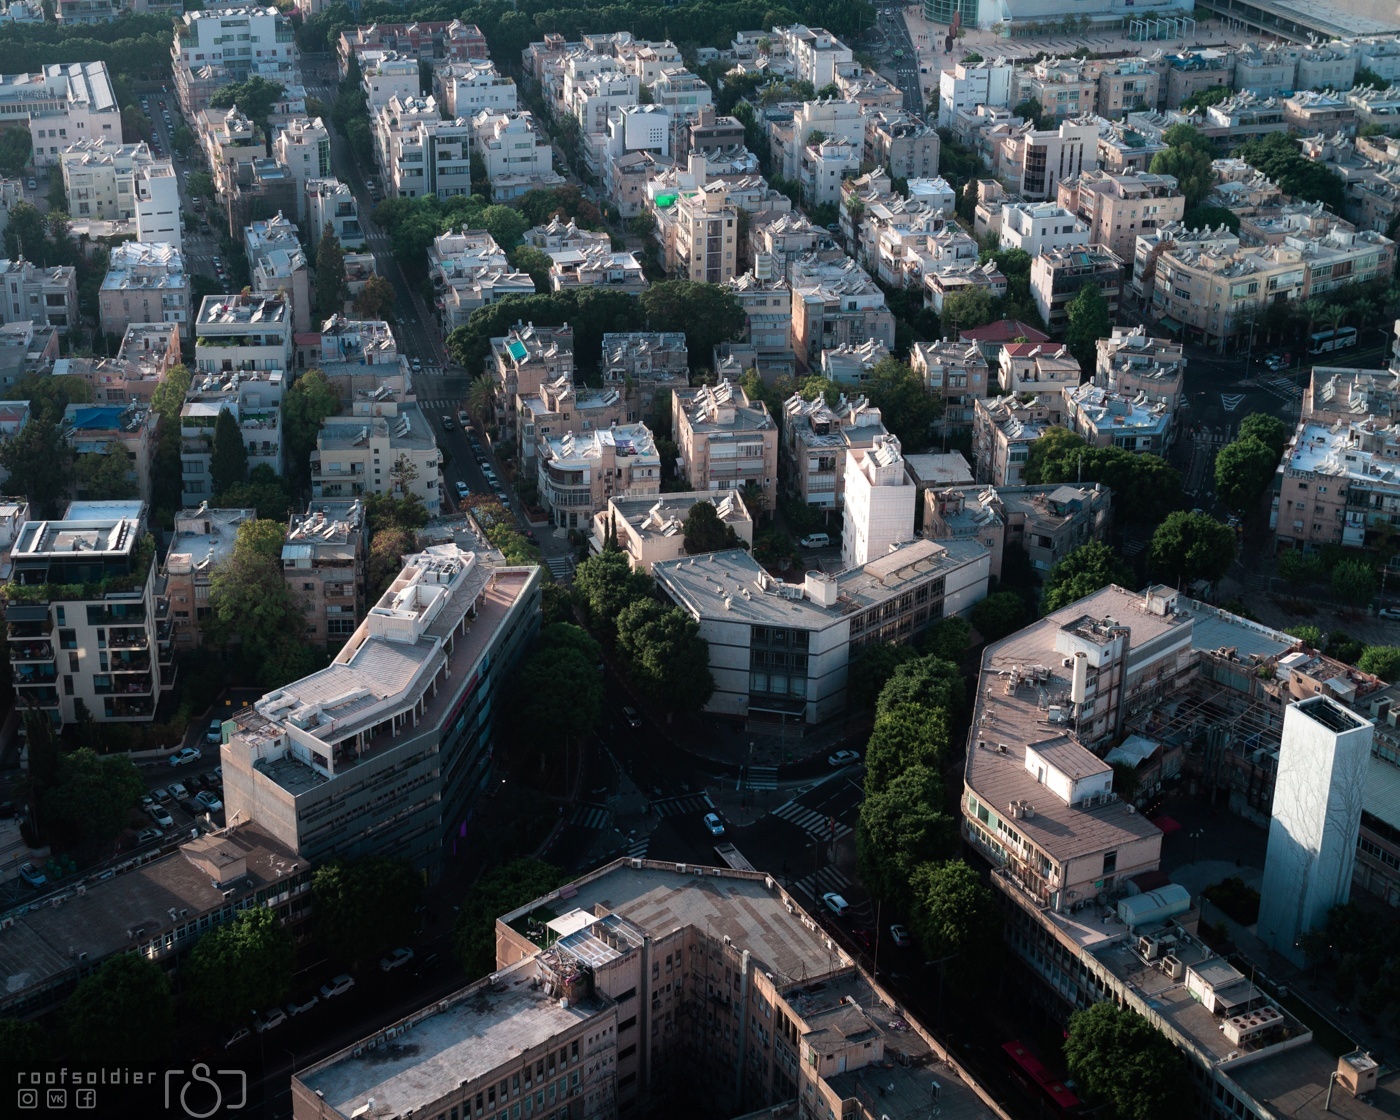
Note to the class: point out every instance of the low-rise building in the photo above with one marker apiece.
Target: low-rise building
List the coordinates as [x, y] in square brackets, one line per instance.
[124, 430]
[518, 157]
[235, 333]
[966, 85]
[1040, 371]
[1036, 226]
[766, 298]
[277, 265]
[203, 540]
[1032, 162]
[939, 283]
[955, 372]
[360, 358]
[1003, 430]
[61, 103]
[145, 283]
[1108, 419]
[817, 439]
[464, 89]
[561, 408]
[991, 337]
[725, 440]
[835, 302]
[425, 40]
[85, 637]
[596, 267]
[1132, 362]
[254, 397]
[901, 143]
[645, 367]
[421, 154]
[385, 74]
[1059, 274]
[324, 560]
[525, 360]
[381, 447]
[468, 270]
[1117, 207]
[651, 527]
[1311, 112]
[1060, 87]
[779, 651]
[329, 202]
[579, 472]
[850, 364]
[46, 297]
[387, 750]
[147, 352]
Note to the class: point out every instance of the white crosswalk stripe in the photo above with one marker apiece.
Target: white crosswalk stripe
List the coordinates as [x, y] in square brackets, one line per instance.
[591, 816]
[639, 849]
[813, 823]
[828, 879]
[691, 803]
[560, 567]
[761, 777]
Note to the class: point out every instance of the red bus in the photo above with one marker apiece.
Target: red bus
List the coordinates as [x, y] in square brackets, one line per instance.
[1030, 1065]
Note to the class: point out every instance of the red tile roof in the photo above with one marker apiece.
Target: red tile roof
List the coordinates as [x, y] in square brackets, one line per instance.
[1004, 330]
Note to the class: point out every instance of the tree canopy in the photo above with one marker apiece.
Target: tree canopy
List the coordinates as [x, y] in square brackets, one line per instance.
[1190, 546]
[999, 614]
[1383, 661]
[305, 406]
[708, 314]
[1125, 1063]
[331, 289]
[1268, 430]
[607, 584]
[92, 796]
[1243, 471]
[871, 669]
[1353, 582]
[1082, 572]
[121, 1014]
[1279, 156]
[705, 532]
[254, 97]
[1089, 321]
[365, 907]
[495, 893]
[906, 406]
[1144, 487]
[666, 656]
[955, 913]
[966, 308]
[901, 826]
[1188, 158]
[242, 967]
[376, 299]
[558, 689]
[228, 461]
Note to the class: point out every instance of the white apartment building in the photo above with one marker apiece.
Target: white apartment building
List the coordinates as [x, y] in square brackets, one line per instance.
[469, 270]
[238, 333]
[145, 283]
[705, 237]
[304, 146]
[580, 472]
[62, 103]
[1035, 226]
[965, 86]
[682, 94]
[45, 296]
[464, 89]
[596, 96]
[73, 652]
[254, 398]
[329, 202]
[1031, 163]
[825, 167]
[277, 263]
[157, 194]
[381, 447]
[386, 74]
[880, 498]
[818, 55]
[240, 39]
[419, 153]
[836, 120]
[518, 157]
[98, 174]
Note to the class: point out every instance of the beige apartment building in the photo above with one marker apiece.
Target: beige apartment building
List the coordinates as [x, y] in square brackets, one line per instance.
[381, 447]
[1132, 362]
[579, 473]
[1062, 90]
[1125, 86]
[706, 235]
[1003, 430]
[726, 441]
[1117, 207]
[204, 539]
[956, 372]
[561, 407]
[1338, 475]
[524, 360]
[1058, 274]
[324, 563]
[651, 527]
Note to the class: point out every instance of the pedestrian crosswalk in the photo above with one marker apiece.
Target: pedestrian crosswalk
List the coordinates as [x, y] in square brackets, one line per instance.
[815, 824]
[591, 816]
[560, 567]
[638, 850]
[827, 880]
[1283, 387]
[449, 405]
[761, 777]
[1231, 401]
[689, 803]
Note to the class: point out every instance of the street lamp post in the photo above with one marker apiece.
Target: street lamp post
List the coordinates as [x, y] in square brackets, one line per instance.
[1196, 835]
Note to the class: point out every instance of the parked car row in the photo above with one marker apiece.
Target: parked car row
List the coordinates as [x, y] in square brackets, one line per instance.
[274, 1018]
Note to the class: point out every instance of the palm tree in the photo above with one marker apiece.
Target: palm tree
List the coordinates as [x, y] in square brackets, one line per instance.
[1313, 310]
[481, 400]
[1334, 316]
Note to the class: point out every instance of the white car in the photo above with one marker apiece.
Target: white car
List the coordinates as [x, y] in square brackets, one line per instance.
[714, 824]
[835, 903]
[462, 491]
[337, 986]
[273, 1019]
[397, 959]
[210, 800]
[1392, 613]
[843, 758]
[179, 792]
[242, 1034]
[900, 936]
[184, 756]
[149, 835]
[306, 1005]
[162, 816]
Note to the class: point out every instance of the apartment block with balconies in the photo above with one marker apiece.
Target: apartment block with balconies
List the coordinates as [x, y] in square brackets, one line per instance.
[86, 627]
[324, 559]
[525, 360]
[1118, 207]
[518, 156]
[955, 372]
[725, 440]
[579, 473]
[818, 437]
[145, 283]
[329, 202]
[1057, 276]
[203, 540]
[254, 397]
[382, 446]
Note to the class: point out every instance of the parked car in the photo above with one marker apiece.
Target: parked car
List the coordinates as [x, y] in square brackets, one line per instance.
[194, 783]
[149, 835]
[217, 774]
[447, 424]
[425, 965]
[31, 184]
[179, 792]
[210, 801]
[272, 1020]
[160, 794]
[463, 491]
[215, 734]
[900, 936]
[630, 715]
[32, 875]
[1392, 613]
[242, 1034]
[843, 758]
[146, 801]
[305, 1005]
[337, 986]
[714, 824]
[184, 756]
[835, 903]
[397, 959]
[815, 540]
[161, 815]
[463, 419]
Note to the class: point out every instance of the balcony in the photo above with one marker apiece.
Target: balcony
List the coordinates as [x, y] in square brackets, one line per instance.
[168, 675]
[19, 631]
[29, 674]
[30, 651]
[127, 639]
[139, 664]
[138, 707]
[42, 696]
[137, 686]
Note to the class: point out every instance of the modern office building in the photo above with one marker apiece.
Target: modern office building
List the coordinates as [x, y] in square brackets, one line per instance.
[386, 751]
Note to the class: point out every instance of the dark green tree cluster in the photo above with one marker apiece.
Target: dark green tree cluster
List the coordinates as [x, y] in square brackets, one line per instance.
[1245, 467]
[123, 1014]
[413, 223]
[254, 98]
[90, 799]
[1125, 1065]
[1089, 321]
[1279, 156]
[1203, 99]
[365, 907]
[1033, 111]
[498, 892]
[1191, 546]
[1188, 158]
[1359, 953]
[253, 611]
[133, 46]
[1144, 487]
[331, 288]
[38, 458]
[41, 238]
[906, 406]
[239, 969]
[590, 311]
[557, 692]
[705, 532]
[1083, 571]
[306, 405]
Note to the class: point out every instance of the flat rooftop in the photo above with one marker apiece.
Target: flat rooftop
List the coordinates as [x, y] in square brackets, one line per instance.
[482, 1027]
[1293, 1086]
[99, 915]
[657, 899]
[1020, 678]
[947, 469]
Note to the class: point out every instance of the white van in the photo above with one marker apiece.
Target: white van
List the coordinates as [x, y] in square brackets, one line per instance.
[815, 540]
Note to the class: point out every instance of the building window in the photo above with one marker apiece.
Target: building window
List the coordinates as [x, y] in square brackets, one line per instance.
[1110, 862]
